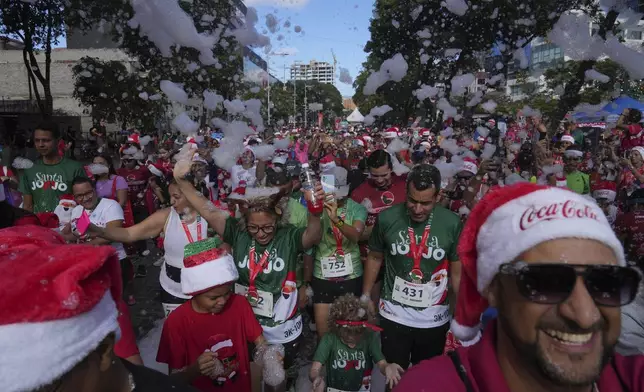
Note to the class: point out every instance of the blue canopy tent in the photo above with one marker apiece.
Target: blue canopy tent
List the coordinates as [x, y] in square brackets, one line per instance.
[613, 108]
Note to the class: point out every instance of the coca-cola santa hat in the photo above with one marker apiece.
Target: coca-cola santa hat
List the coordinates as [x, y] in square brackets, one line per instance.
[606, 190]
[205, 266]
[57, 305]
[523, 215]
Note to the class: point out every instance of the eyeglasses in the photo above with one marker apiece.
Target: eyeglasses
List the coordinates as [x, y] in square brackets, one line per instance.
[551, 284]
[83, 196]
[256, 229]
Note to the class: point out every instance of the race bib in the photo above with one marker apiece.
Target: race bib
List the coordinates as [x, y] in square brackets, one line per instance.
[264, 306]
[411, 294]
[169, 308]
[336, 267]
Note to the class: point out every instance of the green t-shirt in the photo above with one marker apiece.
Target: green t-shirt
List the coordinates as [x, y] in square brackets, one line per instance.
[349, 369]
[278, 278]
[46, 183]
[298, 214]
[390, 236]
[578, 182]
[352, 212]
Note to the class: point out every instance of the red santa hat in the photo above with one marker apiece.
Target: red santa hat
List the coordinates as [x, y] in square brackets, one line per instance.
[134, 138]
[527, 215]
[205, 266]
[606, 190]
[327, 163]
[568, 138]
[390, 133]
[424, 132]
[491, 122]
[58, 305]
[469, 165]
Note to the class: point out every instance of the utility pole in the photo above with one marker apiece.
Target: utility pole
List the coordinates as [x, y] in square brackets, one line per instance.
[306, 102]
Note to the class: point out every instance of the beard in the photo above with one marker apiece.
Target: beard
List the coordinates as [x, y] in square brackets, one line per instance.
[537, 360]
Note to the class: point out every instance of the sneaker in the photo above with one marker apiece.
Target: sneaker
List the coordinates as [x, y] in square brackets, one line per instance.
[131, 301]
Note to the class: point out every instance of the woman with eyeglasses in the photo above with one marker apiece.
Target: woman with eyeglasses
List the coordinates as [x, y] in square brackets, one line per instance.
[266, 252]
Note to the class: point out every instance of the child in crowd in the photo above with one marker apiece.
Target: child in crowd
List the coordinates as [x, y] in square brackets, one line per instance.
[349, 350]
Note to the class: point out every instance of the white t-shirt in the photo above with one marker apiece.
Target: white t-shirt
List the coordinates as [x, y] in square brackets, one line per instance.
[106, 211]
[238, 174]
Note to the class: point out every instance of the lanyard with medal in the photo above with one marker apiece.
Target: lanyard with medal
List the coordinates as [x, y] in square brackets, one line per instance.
[254, 269]
[188, 234]
[339, 237]
[417, 251]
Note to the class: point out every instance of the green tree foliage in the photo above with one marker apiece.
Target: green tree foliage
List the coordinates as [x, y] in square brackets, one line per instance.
[111, 92]
[209, 17]
[38, 25]
[422, 30]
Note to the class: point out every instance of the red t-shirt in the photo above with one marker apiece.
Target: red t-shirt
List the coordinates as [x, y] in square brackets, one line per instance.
[380, 200]
[482, 367]
[137, 182]
[633, 137]
[631, 225]
[187, 334]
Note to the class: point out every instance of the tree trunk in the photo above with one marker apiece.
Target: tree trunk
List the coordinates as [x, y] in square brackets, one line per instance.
[571, 96]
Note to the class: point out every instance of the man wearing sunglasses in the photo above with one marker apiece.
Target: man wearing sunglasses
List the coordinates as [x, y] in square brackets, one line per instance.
[547, 260]
[576, 180]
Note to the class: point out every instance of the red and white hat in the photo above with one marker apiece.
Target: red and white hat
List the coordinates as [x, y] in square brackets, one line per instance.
[390, 133]
[527, 215]
[134, 138]
[606, 190]
[58, 305]
[424, 132]
[568, 138]
[205, 266]
[327, 164]
[469, 165]
[156, 169]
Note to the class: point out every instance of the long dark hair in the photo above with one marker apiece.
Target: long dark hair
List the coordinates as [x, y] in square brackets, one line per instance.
[10, 214]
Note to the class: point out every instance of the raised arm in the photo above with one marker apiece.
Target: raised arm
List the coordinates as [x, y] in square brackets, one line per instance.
[313, 233]
[151, 227]
[215, 218]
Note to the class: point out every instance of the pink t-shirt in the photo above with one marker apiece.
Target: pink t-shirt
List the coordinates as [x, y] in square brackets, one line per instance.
[301, 152]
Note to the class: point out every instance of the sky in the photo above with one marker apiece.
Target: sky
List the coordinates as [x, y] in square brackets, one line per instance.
[338, 25]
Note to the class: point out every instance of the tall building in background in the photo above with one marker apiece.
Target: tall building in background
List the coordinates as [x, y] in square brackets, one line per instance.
[320, 71]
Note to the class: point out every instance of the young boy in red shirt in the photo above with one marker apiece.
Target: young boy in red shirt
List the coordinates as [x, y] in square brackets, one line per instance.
[205, 340]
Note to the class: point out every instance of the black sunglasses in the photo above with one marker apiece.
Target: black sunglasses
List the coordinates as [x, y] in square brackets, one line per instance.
[608, 285]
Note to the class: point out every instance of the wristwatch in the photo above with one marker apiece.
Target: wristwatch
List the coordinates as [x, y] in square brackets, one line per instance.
[339, 223]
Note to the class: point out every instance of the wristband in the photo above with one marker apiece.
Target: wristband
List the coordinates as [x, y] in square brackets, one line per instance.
[364, 298]
[339, 223]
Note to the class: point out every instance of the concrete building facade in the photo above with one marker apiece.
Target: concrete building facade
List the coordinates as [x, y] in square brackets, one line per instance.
[319, 71]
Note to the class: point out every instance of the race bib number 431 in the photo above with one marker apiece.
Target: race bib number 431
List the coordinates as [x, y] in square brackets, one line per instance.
[264, 305]
[411, 294]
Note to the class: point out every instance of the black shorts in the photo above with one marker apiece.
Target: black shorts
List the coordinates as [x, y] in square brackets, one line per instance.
[326, 291]
[401, 343]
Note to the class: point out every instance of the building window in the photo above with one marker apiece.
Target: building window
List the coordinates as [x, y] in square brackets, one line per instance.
[481, 81]
[515, 90]
[634, 34]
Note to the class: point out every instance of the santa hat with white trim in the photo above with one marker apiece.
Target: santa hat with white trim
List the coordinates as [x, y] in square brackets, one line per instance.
[568, 138]
[58, 305]
[522, 215]
[205, 266]
[606, 190]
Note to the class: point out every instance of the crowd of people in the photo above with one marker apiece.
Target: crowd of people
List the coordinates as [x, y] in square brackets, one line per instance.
[466, 257]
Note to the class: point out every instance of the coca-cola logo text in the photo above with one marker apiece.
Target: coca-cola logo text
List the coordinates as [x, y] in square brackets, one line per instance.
[562, 210]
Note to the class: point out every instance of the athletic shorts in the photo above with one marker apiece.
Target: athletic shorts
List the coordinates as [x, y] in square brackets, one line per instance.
[170, 302]
[402, 344]
[326, 291]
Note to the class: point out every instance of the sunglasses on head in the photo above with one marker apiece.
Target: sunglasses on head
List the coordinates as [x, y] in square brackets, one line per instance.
[551, 284]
